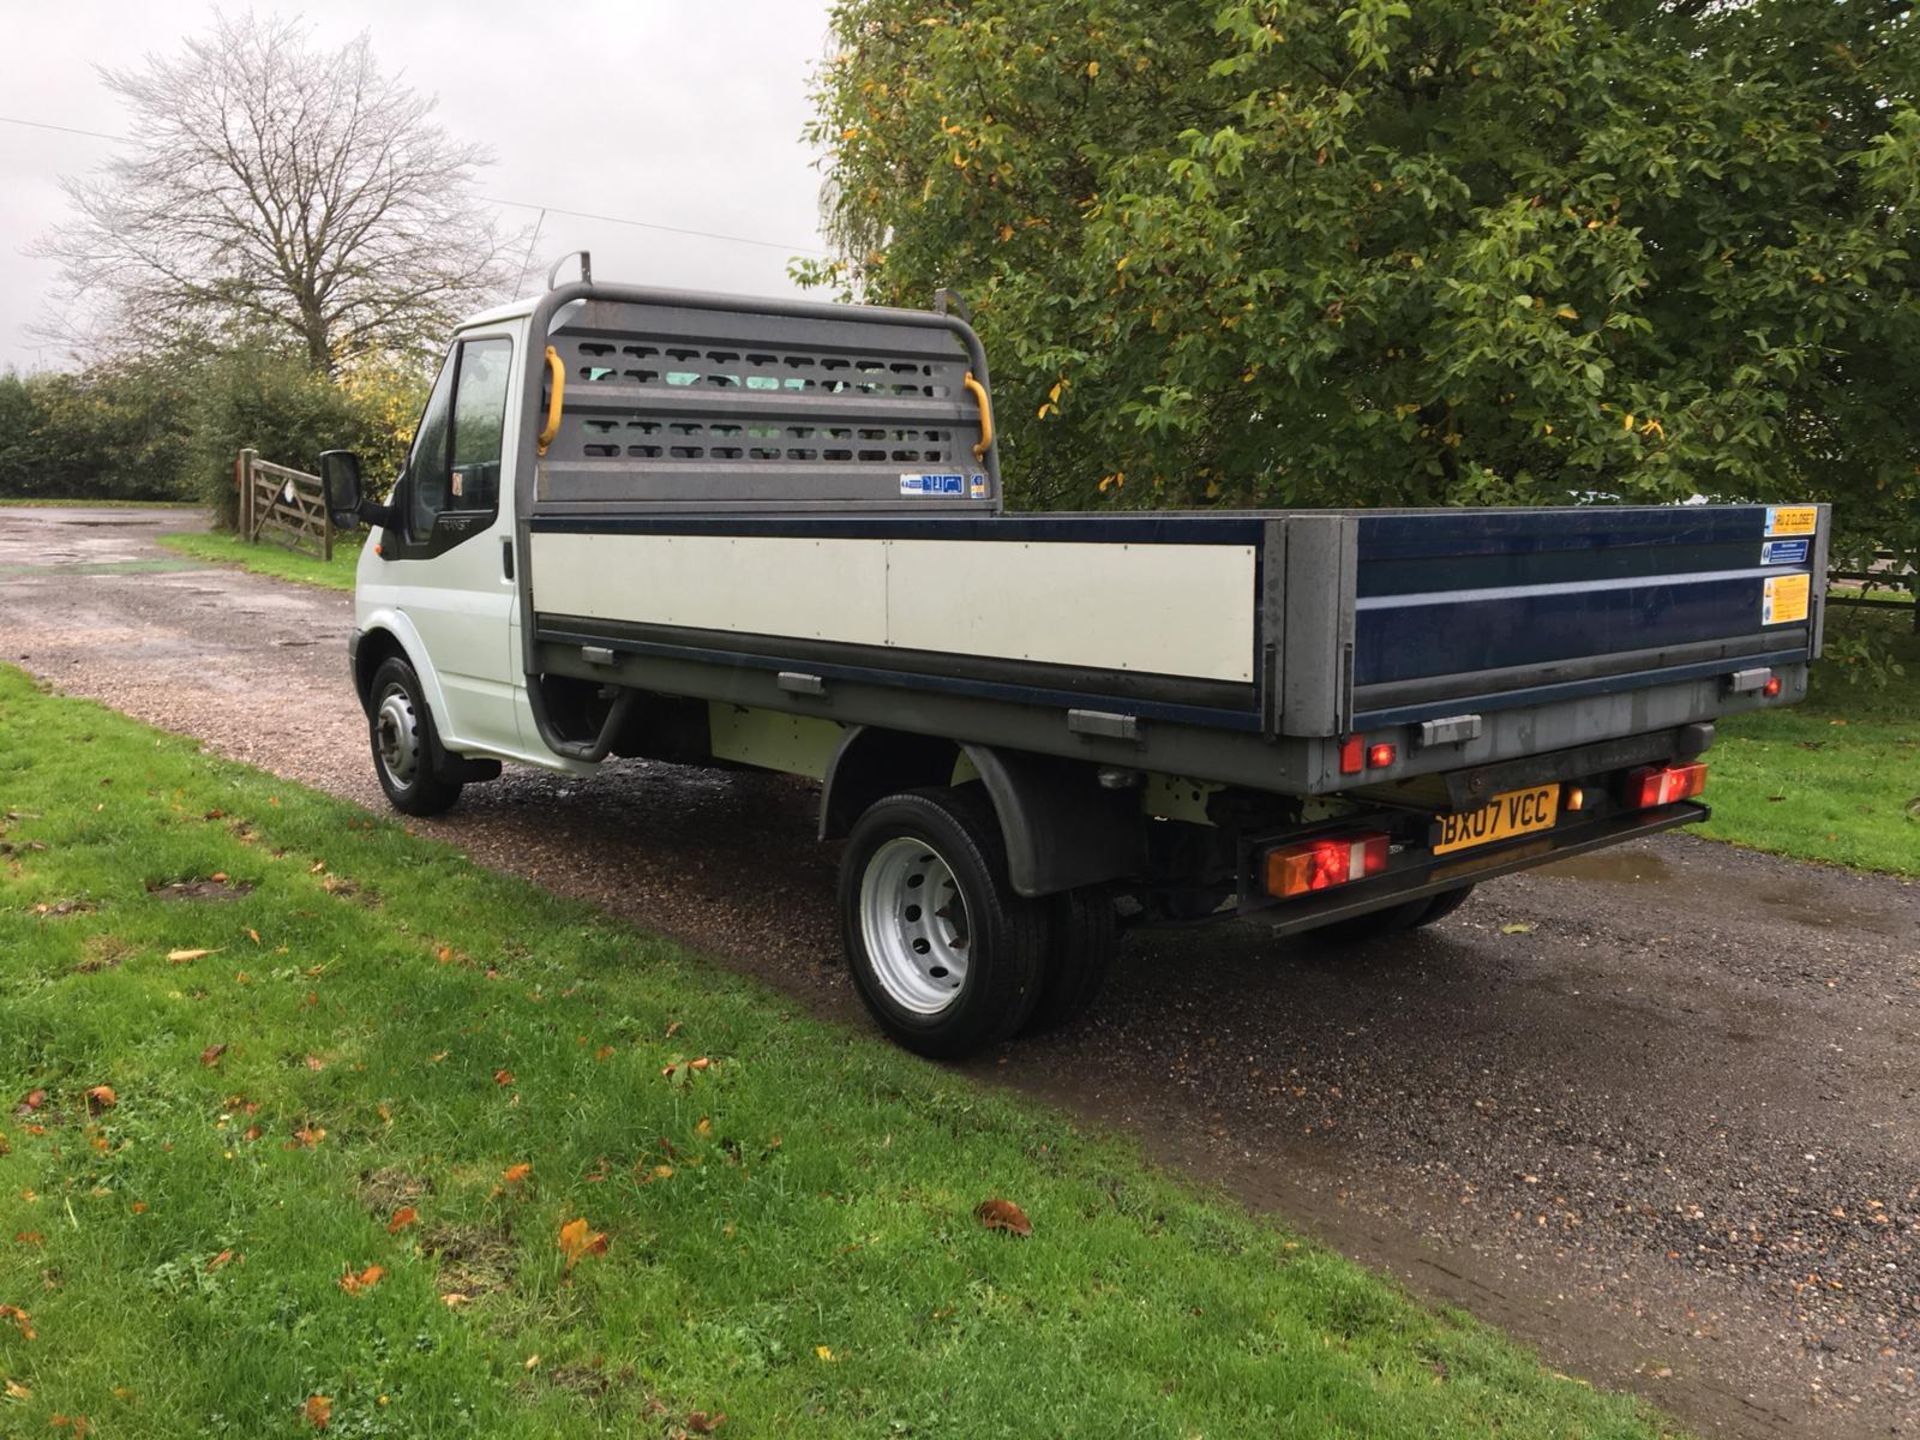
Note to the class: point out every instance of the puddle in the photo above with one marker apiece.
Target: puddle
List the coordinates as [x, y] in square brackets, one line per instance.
[1631, 868]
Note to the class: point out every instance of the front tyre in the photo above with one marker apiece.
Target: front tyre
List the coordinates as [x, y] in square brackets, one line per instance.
[945, 955]
[400, 728]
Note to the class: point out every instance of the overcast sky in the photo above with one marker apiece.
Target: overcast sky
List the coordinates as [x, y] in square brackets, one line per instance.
[685, 115]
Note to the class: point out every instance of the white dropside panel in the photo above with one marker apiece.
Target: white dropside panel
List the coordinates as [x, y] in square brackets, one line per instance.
[1159, 609]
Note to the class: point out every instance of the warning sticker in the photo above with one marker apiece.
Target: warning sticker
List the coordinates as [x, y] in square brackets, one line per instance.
[932, 484]
[1784, 552]
[1792, 519]
[1783, 599]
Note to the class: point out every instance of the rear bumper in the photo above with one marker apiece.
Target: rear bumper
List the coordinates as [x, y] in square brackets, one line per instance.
[1435, 876]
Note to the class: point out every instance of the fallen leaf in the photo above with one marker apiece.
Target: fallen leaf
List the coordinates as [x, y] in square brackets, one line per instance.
[33, 1101]
[139, 1207]
[223, 1259]
[673, 1029]
[101, 1097]
[503, 1077]
[514, 1174]
[310, 1135]
[605, 1052]
[254, 935]
[702, 1063]
[701, 1423]
[211, 1055]
[533, 1362]
[577, 1240]
[402, 1218]
[20, 1318]
[368, 1278]
[17, 1391]
[1519, 928]
[825, 1352]
[454, 1300]
[1003, 1215]
[181, 957]
[318, 1410]
[28, 1237]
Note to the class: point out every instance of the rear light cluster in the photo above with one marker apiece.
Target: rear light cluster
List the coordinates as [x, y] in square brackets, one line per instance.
[1662, 785]
[1357, 755]
[1324, 863]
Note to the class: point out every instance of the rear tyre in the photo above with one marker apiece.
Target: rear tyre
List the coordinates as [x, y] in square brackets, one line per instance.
[1396, 919]
[945, 955]
[400, 728]
[1086, 939]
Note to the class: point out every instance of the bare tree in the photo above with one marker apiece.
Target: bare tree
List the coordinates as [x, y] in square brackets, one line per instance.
[281, 191]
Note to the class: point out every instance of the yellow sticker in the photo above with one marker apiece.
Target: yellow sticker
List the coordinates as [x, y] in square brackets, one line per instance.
[1792, 519]
[1784, 599]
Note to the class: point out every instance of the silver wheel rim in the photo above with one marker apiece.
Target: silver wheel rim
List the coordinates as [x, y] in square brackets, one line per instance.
[396, 735]
[914, 923]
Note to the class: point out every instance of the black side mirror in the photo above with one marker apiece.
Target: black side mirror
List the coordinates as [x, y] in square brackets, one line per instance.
[340, 482]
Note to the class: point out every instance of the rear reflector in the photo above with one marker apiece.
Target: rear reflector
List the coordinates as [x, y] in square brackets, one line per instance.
[1662, 785]
[1324, 863]
[1772, 687]
[1353, 755]
[1379, 757]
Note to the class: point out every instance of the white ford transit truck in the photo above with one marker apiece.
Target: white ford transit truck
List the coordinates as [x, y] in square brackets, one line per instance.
[714, 530]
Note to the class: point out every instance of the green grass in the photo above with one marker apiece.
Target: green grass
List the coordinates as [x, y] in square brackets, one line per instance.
[1836, 778]
[270, 559]
[791, 1232]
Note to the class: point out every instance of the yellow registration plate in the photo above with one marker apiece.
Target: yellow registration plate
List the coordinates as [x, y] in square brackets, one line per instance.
[1514, 812]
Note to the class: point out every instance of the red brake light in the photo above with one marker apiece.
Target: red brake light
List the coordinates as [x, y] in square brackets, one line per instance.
[1662, 785]
[1324, 863]
[1353, 755]
[1772, 687]
[1380, 756]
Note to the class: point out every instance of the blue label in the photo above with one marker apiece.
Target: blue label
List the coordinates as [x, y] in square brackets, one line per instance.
[933, 484]
[1784, 552]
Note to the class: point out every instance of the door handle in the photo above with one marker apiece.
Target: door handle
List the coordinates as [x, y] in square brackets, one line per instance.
[506, 559]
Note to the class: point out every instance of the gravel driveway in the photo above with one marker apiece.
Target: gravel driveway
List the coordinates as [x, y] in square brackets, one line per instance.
[1656, 1111]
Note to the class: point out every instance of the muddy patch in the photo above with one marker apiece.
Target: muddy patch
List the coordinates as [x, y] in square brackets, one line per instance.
[1623, 867]
[475, 1260]
[215, 888]
[385, 1190]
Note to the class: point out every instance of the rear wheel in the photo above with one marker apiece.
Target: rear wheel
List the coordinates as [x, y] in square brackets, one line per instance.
[1085, 941]
[943, 952]
[400, 727]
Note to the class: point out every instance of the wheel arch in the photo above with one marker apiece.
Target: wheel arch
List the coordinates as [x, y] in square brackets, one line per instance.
[1061, 828]
[388, 633]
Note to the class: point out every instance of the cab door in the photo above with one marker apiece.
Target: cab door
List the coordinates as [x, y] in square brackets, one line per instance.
[450, 565]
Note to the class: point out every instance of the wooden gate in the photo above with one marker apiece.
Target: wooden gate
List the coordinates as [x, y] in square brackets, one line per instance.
[285, 506]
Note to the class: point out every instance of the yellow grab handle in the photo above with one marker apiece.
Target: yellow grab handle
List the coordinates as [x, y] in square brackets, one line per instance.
[558, 372]
[986, 415]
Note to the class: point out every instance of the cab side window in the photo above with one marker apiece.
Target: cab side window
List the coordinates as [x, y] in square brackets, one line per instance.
[455, 461]
[479, 418]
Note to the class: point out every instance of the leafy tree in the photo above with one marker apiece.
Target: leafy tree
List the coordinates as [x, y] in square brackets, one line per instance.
[1361, 252]
[276, 194]
[271, 402]
[114, 432]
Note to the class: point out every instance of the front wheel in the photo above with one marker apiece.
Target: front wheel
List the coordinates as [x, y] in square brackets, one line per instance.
[400, 727]
[945, 955]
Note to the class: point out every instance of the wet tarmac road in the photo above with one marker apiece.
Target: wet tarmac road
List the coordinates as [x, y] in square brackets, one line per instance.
[1655, 1111]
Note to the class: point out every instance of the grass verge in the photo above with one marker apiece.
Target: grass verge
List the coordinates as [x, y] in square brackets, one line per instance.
[1836, 778]
[269, 559]
[357, 1090]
